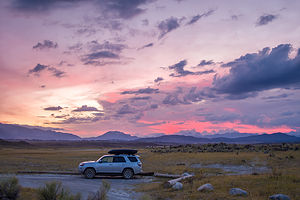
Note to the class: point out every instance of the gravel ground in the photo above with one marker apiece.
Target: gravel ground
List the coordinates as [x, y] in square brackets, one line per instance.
[120, 189]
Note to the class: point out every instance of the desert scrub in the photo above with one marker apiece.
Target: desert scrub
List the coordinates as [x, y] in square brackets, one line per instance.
[101, 194]
[55, 191]
[9, 188]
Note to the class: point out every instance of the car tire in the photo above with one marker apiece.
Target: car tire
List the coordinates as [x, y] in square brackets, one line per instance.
[89, 173]
[128, 173]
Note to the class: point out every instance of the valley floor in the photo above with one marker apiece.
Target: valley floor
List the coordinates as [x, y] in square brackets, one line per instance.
[281, 174]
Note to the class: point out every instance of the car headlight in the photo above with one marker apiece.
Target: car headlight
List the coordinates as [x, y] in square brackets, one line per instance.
[81, 164]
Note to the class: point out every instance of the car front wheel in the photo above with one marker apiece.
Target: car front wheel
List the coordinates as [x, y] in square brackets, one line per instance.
[128, 173]
[89, 173]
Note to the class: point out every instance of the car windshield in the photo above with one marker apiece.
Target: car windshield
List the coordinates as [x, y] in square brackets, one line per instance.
[100, 158]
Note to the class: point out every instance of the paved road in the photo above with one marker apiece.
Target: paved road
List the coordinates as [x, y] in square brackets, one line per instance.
[121, 189]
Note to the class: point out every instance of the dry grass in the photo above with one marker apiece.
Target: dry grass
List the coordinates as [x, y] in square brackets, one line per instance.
[41, 159]
[284, 178]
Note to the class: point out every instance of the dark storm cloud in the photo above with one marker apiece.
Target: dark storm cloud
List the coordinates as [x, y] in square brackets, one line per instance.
[124, 9]
[141, 91]
[40, 68]
[265, 19]
[180, 71]
[46, 44]
[168, 25]
[195, 18]
[85, 108]
[205, 62]
[53, 108]
[158, 79]
[40, 5]
[264, 70]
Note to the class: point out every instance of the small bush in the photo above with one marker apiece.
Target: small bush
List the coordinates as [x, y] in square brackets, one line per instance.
[101, 194]
[9, 188]
[55, 191]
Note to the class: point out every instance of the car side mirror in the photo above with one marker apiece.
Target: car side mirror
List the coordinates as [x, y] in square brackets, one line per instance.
[100, 161]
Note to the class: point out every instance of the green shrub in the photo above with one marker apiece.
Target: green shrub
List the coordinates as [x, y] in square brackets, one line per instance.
[55, 191]
[9, 188]
[101, 194]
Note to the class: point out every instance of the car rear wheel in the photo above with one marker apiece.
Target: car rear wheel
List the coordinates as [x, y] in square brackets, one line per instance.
[89, 173]
[128, 173]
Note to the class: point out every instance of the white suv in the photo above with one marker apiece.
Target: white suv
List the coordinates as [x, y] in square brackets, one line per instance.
[121, 163]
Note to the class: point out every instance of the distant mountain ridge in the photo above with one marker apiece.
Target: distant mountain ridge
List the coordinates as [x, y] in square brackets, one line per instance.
[18, 132]
[113, 135]
[181, 139]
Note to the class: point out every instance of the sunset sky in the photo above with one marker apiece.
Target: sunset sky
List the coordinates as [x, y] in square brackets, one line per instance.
[146, 67]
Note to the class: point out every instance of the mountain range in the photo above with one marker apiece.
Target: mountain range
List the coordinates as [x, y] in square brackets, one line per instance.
[18, 132]
[114, 135]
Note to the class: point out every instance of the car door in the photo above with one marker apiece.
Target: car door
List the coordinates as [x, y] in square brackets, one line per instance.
[118, 164]
[105, 165]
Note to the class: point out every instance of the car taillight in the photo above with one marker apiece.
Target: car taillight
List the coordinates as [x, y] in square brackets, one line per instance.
[81, 164]
[139, 164]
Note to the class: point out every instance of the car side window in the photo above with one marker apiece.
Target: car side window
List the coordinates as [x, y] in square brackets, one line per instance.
[107, 159]
[118, 159]
[132, 159]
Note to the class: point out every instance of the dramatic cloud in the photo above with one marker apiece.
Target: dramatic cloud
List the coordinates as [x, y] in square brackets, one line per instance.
[37, 69]
[85, 108]
[93, 58]
[126, 109]
[39, 6]
[168, 25]
[145, 46]
[158, 79]
[140, 98]
[264, 70]
[40, 68]
[205, 62]
[141, 91]
[78, 120]
[179, 70]
[53, 108]
[124, 9]
[47, 44]
[100, 53]
[56, 72]
[265, 19]
[106, 45]
[181, 96]
[280, 96]
[197, 17]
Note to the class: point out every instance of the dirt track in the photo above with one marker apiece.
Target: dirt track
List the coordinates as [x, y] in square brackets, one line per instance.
[121, 189]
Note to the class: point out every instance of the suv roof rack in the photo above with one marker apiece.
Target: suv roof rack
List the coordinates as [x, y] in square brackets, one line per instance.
[123, 151]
